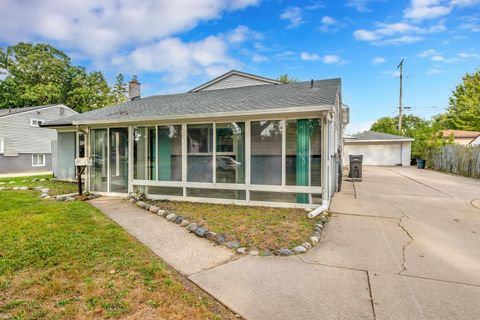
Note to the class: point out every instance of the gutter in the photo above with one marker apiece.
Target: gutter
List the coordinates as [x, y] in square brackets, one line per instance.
[325, 205]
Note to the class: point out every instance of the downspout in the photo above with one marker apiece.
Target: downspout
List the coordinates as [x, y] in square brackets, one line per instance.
[325, 205]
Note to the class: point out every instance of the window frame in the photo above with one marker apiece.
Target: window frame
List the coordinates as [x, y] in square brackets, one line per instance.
[2, 145]
[42, 164]
[37, 125]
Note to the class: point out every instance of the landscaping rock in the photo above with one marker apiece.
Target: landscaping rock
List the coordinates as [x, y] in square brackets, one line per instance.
[192, 227]
[24, 180]
[307, 245]
[132, 200]
[11, 182]
[317, 234]
[233, 244]
[314, 240]
[48, 198]
[253, 253]
[171, 217]
[284, 252]
[153, 209]
[266, 253]
[184, 223]
[220, 239]
[146, 206]
[42, 180]
[161, 212]
[43, 195]
[200, 231]
[242, 250]
[44, 190]
[319, 225]
[140, 204]
[210, 235]
[299, 249]
[16, 188]
[323, 219]
[35, 179]
[2, 182]
[179, 220]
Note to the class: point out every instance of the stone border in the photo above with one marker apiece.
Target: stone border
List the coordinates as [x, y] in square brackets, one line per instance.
[221, 239]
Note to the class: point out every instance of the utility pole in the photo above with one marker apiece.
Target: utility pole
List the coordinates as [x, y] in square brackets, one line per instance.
[400, 107]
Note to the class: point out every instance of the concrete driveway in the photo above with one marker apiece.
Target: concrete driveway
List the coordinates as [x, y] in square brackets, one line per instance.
[402, 244]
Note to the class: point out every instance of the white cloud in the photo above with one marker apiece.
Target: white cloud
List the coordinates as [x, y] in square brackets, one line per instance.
[390, 73]
[285, 55]
[437, 58]
[329, 24]
[466, 55]
[427, 9]
[327, 20]
[427, 53]
[395, 33]
[242, 4]
[378, 60]
[258, 58]
[241, 34]
[434, 70]
[331, 58]
[309, 56]
[294, 15]
[360, 5]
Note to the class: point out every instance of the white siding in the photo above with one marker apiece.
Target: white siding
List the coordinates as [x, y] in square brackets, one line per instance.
[20, 137]
[234, 81]
[379, 153]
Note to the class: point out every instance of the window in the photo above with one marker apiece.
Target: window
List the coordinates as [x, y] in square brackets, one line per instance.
[266, 152]
[98, 151]
[38, 160]
[81, 146]
[36, 122]
[2, 143]
[170, 153]
[200, 153]
[144, 153]
[230, 156]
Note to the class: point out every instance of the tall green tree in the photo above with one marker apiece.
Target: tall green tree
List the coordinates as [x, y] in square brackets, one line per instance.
[119, 89]
[463, 112]
[285, 78]
[39, 74]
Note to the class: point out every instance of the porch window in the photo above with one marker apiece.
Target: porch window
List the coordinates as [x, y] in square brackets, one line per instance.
[266, 152]
[119, 160]
[98, 151]
[170, 153]
[230, 155]
[144, 153]
[200, 153]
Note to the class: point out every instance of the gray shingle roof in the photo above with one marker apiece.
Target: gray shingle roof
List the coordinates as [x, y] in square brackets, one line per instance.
[373, 135]
[244, 99]
[8, 112]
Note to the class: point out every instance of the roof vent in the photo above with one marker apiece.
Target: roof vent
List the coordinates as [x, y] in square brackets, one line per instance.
[311, 84]
[133, 89]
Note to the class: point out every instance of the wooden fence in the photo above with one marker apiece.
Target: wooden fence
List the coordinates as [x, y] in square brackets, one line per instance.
[458, 159]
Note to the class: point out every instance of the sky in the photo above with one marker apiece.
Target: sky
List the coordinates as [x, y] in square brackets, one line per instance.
[174, 46]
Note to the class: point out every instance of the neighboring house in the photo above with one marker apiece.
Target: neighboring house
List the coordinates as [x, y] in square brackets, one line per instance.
[24, 145]
[239, 138]
[462, 137]
[378, 149]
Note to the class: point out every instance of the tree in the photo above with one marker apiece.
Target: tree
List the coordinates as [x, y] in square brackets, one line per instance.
[39, 74]
[425, 133]
[119, 89]
[463, 112]
[285, 78]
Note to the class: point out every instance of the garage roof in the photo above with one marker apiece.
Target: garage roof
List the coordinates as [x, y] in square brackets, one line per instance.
[373, 136]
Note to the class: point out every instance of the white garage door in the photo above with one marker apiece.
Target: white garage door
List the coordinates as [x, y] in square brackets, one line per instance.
[376, 154]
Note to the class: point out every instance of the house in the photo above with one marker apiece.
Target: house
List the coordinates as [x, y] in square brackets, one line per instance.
[24, 145]
[239, 138]
[462, 137]
[378, 149]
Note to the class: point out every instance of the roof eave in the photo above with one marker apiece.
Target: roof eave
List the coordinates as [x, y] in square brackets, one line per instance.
[212, 115]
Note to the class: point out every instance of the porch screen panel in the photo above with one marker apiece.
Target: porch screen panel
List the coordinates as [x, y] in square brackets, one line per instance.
[315, 153]
[266, 152]
[98, 151]
[200, 153]
[119, 160]
[230, 147]
[170, 153]
[144, 153]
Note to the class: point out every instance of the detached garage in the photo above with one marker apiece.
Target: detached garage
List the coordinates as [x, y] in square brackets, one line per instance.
[378, 149]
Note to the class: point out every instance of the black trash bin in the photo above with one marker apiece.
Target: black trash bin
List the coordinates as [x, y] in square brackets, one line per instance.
[355, 167]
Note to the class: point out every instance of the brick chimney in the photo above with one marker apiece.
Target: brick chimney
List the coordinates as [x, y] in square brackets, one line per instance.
[134, 89]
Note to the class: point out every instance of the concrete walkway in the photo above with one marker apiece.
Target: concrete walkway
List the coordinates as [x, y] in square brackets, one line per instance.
[402, 244]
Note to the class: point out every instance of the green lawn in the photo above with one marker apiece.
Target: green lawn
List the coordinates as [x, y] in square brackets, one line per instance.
[66, 260]
[254, 227]
[56, 187]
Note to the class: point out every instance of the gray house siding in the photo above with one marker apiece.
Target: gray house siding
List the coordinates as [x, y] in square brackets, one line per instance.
[23, 163]
[65, 156]
[21, 139]
[234, 81]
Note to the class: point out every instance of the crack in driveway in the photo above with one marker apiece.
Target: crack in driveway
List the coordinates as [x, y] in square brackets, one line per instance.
[404, 247]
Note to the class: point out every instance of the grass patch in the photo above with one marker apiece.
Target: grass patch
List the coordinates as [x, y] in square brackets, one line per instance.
[65, 260]
[56, 187]
[255, 227]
